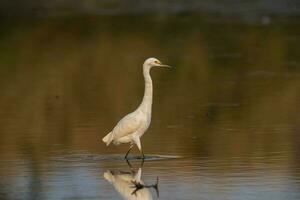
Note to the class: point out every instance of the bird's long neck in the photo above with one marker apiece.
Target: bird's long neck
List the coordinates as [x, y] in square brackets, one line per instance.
[146, 104]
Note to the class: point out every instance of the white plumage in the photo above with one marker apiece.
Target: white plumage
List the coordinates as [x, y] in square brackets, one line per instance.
[131, 127]
[124, 184]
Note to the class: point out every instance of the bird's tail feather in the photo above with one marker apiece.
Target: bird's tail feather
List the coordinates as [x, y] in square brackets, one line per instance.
[107, 139]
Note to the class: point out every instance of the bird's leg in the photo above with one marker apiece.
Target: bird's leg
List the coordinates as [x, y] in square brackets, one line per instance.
[155, 186]
[131, 146]
[128, 163]
[142, 163]
[138, 144]
[143, 155]
[138, 186]
[130, 166]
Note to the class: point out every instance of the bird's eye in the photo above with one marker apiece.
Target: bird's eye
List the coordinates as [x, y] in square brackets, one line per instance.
[156, 62]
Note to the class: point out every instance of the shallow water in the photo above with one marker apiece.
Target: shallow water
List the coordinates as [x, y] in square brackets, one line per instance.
[225, 119]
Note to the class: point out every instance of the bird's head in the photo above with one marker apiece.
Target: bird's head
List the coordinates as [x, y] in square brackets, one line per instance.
[153, 62]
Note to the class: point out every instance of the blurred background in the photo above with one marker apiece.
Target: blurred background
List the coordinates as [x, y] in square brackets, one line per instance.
[229, 108]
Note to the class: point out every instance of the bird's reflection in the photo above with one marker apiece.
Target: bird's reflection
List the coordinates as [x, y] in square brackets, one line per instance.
[129, 183]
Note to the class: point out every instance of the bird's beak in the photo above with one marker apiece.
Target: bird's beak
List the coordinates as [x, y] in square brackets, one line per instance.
[167, 66]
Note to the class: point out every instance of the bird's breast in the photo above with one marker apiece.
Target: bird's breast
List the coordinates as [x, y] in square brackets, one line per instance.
[146, 124]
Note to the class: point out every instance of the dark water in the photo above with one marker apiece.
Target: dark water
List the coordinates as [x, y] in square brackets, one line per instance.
[225, 122]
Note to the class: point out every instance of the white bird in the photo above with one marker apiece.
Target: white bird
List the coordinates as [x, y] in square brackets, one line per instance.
[129, 184]
[131, 127]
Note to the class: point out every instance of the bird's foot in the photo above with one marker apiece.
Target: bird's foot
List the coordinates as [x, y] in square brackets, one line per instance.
[138, 186]
[131, 146]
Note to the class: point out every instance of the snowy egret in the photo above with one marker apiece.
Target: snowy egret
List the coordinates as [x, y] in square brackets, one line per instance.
[131, 127]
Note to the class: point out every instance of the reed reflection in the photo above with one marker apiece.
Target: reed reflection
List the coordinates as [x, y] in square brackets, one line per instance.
[129, 183]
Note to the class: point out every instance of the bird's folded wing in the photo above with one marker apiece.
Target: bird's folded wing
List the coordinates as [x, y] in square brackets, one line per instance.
[128, 125]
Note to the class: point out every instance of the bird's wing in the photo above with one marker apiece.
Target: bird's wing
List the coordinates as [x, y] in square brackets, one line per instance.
[127, 125]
